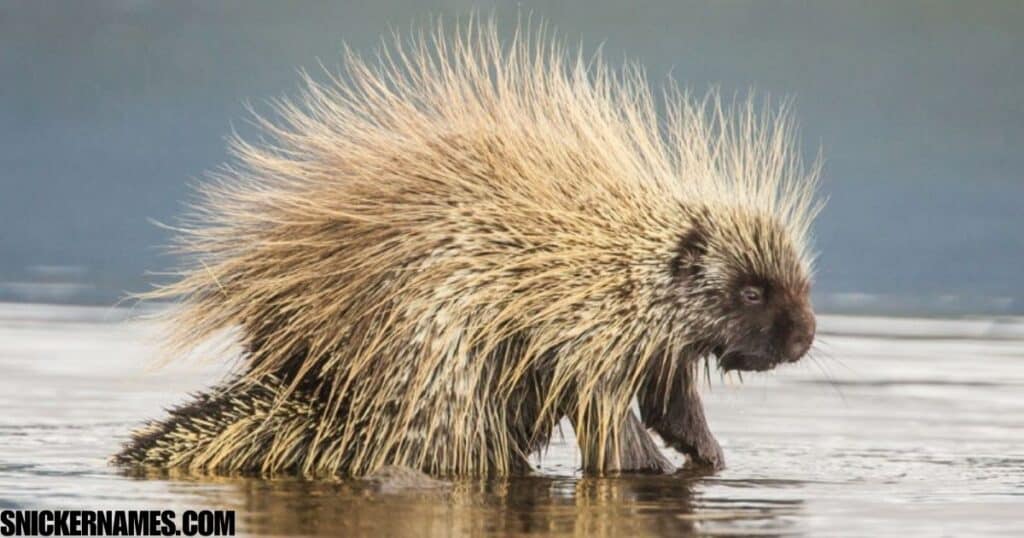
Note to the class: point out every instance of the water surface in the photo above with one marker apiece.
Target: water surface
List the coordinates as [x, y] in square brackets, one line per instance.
[898, 427]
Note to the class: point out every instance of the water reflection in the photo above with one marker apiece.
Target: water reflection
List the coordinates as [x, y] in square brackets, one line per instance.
[626, 506]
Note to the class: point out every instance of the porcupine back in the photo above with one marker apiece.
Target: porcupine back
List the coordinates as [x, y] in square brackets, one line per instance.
[423, 238]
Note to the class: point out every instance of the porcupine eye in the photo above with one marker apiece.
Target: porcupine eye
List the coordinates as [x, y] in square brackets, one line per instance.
[752, 295]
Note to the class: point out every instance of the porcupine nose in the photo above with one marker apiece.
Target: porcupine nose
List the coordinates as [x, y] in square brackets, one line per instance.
[802, 337]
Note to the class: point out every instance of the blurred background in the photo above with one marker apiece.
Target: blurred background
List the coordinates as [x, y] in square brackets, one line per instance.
[110, 108]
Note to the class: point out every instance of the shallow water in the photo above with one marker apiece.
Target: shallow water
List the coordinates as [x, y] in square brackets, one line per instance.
[897, 427]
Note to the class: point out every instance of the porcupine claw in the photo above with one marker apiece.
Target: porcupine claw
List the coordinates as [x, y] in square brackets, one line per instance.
[687, 431]
[706, 453]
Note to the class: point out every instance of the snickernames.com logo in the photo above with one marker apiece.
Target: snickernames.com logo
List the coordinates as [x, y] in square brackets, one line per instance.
[117, 523]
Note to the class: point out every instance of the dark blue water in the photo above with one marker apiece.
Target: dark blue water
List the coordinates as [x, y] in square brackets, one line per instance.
[109, 108]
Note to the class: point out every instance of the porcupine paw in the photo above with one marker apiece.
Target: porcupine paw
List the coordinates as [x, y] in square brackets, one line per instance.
[704, 453]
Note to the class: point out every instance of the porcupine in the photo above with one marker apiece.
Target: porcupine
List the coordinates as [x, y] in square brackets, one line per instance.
[432, 259]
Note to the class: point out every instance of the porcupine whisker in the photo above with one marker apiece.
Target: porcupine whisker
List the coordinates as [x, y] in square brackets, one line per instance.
[828, 376]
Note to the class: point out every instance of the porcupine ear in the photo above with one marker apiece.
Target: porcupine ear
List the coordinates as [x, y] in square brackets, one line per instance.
[687, 263]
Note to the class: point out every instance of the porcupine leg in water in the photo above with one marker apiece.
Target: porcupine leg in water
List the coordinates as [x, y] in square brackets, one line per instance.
[682, 426]
[631, 450]
[637, 452]
[680, 421]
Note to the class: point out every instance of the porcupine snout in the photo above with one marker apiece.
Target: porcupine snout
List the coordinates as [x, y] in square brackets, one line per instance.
[802, 336]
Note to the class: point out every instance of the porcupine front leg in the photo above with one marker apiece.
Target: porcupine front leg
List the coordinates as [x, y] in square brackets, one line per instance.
[680, 421]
